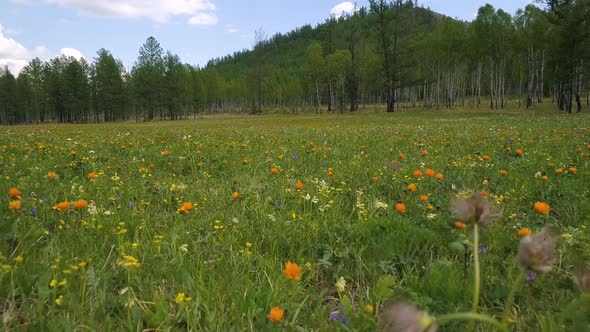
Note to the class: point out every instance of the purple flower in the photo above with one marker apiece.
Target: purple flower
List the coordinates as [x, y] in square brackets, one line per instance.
[483, 249]
[294, 156]
[34, 210]
[337, 316]
[531, 277]
[131, 205]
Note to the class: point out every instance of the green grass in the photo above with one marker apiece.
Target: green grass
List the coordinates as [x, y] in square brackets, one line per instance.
[228, 254]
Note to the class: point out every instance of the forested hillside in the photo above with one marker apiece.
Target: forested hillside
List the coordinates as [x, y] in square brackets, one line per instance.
[391, 53]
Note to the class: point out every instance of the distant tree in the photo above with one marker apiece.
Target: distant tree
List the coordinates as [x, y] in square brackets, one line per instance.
[109, 87]
[315, 62]
[259, 41]
[148, 74]
[8, 101]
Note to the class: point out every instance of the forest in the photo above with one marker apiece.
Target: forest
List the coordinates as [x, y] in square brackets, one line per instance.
[391, 53]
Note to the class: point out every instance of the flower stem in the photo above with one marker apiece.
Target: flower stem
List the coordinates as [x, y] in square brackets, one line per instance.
[477, 281]
[511, 296]
[471, 317]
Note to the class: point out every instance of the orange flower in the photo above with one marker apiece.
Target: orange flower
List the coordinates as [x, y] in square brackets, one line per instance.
[80, 204]
[299, 185]
[401, 156]
[274, 170]
[468, 158]
[518, 152]
[439, 176]
[417, 173]
[165, 153]
[185, 208]
[412, 187]
[276, 314]
[524, 232]
[91, 176]
[13, 192]
[559, 171]
[52, 175]
[292, 271]
[246, 161]
[460, 225]
[429, 172]
[542, 208]
[485, 157]
[423, 198]
[503, 172]
[374, 179]
[235, 195]
[425, 153]
[62, 206]
[572, 170]
[400, 208]
[14, 205]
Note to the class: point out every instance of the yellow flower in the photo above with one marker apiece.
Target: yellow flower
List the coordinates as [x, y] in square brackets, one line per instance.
[129, 262]
[19, 259]
[14, 205]
[59, 300]
[180, 298]
[53, 283]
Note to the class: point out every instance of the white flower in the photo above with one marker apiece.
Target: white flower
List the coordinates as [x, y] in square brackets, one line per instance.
[431, 216]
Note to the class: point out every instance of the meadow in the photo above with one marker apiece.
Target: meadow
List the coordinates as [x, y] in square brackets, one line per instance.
[289, 222]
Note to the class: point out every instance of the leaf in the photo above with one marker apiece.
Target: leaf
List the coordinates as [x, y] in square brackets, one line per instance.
[384, 287]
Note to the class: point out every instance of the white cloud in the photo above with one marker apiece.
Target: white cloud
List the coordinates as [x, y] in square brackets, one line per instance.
[201, 11]
[67, 51]
[345, 7]
[230, 28]
[12, 53]
[203, 19]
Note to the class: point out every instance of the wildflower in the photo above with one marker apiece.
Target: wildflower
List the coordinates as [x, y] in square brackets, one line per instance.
[460, 225]
[13, 192]
[424, 153]
[185, 208]
[59, 301]
[62, 206]
[429, 172]
[91, 176]
[412, 187]
[559, 171]
[475, 209]
[341, 284]
[235, 195]
[423, 198]
[485, 157]
[401, 156]
[518, 152]
[19, 259]
[374, 179]
[542, 208]
[52, 175]
[129, 262]
[182, 298]
[524, 232]
[337, 315]
[403, 317]
[417, 173]
[276, 314]
[274, 170]
[299, 185]
[369, 309]
[14, 205]
[439, 176]
[166, 153]
[503, 172]
[292, 271]
[536, 251]
[53, 283]
[400, 208]
[572, 170]
[80, 204]
[530, 277]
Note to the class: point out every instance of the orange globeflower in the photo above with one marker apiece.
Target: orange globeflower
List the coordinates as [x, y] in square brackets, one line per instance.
[235, 195]
[166, 153]
[400, 208]
[417, 173]
[274, 170]
[503, 172]
[485, 157]
[62, 206]
[423, 198]
[425, 153]
[13, 192]
[401, 156]
[292, 271]
[14, 205]
[572, 170]
[559, 171]
[80, 204]
[524, 232]
[542, 208]
[429, 172]
[52, 175]
[374, 179]
[518, 152]
[412, 187]
[91, 176]
[299, 185]
[185, 208]
[439, 176]
[460, 225]
[276, 314]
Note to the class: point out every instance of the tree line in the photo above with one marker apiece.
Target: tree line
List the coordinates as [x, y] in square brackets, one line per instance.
[391, 53]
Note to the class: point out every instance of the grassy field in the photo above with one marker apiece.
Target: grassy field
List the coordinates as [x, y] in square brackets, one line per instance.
[196, 225]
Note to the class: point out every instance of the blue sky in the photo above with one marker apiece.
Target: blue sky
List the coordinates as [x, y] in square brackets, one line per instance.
[196, 30]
